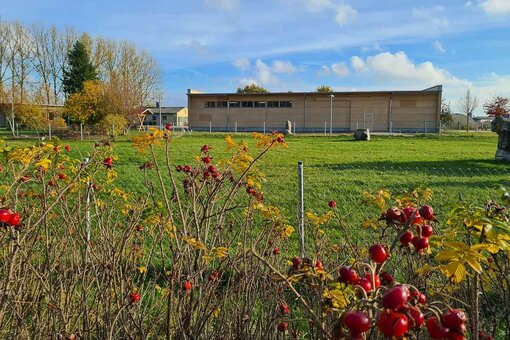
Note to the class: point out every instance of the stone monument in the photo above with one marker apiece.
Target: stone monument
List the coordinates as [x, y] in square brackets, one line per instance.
[362, 134]
[502, 127]
[288, 128]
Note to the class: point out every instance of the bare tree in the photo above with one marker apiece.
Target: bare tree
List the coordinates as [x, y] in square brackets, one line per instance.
[468, 104]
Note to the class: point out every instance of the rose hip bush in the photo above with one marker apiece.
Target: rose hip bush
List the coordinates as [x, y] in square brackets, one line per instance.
[200, 254]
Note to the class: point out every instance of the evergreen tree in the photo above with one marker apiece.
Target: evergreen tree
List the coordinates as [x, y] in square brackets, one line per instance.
[79, 70]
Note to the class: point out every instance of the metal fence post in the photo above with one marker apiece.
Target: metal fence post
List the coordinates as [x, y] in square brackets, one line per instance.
[301, 209]
[264, 127]
[210, 126]
[87, 207]
[325, 129]
[235, 128]
[49, 130]
[81, 131]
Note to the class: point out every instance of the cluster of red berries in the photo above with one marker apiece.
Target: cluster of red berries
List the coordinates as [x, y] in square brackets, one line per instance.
[108, 162]
[66, 147]
[8, 218]
[213, 276]
[284, 309]
[348, 275]
[419, 218]
[451, 326]
[401, 313]
[185, 168]
[168, 127]
[187, 286]
[134, 297]
[146, 166]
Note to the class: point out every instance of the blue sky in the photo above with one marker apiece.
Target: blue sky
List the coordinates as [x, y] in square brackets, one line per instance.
[296, 45]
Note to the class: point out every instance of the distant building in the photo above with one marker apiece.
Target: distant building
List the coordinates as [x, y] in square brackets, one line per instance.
[6, 111]
[177, 116]
[385, 111]
[483, 122]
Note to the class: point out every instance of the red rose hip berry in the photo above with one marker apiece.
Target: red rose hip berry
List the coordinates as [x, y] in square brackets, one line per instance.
[378, 253]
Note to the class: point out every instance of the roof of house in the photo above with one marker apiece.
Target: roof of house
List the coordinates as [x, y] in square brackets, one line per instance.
[164, 110]
[433, 89]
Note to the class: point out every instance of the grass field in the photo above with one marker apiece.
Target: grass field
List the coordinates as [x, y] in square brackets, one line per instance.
[339, 168]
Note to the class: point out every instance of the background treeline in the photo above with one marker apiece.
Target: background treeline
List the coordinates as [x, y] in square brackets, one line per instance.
[33, 61]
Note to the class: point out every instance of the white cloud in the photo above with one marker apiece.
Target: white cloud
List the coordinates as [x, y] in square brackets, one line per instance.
[340, 69]
[283, 67]
[358, 64]
[324, 71]
[264, 74]
[222, 4]
[345, 14]
[496, 7]
[247, 81]
[432, 15]
[398, 68]
[468, 4]
[242, 64]
[438, 47]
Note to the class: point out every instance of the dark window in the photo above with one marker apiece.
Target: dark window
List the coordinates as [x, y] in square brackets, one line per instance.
[273, 104]
[154, 117]
[260, 104]
[222, 104]
[247, 104]
[164, 118]
[209, 104]
[285, 104]
[235, 104]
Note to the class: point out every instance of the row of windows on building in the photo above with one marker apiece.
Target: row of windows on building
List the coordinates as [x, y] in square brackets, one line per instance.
[248, 104]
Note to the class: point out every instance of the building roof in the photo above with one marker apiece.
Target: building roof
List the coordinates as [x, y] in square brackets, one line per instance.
[164, 110]
[434, 89]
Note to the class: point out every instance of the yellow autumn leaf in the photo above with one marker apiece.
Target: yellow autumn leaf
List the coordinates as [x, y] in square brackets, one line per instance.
[142, 270]
[197, 245]
[43, 163]
[230, 142]
[219, 252]
[425, 270]
[473, 263]
[456, 271]
[446, 255]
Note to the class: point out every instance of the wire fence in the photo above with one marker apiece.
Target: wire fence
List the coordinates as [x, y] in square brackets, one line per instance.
[346, 183]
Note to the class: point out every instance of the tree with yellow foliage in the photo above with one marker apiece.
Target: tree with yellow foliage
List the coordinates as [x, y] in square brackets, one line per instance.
[87, 106]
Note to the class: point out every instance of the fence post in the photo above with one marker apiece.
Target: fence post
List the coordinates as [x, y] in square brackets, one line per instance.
[294, 125]
[235, 129]
[325, 129]
[113, 131]
[425, 126]
[49, 130]
[301, 209]
[264, 127]
[391, 126]
[210, 127]
[87, 207]
[81, 131]
[357, 125]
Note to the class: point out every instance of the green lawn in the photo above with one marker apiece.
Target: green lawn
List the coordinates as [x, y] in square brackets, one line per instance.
[341, 169]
